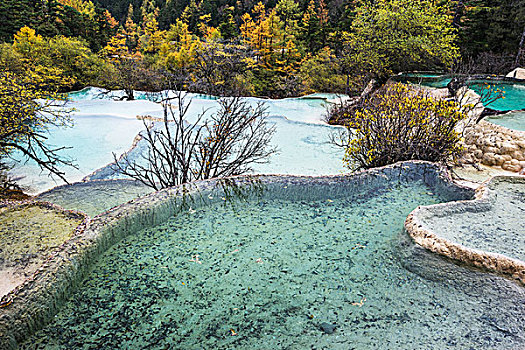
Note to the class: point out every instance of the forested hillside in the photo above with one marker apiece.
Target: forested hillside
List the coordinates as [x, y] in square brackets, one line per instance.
[71, 18]
[484, 25]
[271, 48]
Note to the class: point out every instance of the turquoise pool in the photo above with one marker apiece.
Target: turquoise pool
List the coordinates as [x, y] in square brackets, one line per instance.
[327, 268]
[490, 228]
[514, 95]
[514, 92]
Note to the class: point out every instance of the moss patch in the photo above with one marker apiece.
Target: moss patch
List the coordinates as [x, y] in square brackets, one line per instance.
[28, 235]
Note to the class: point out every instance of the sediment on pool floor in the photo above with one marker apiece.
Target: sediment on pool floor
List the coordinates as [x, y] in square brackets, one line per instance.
[39, 301]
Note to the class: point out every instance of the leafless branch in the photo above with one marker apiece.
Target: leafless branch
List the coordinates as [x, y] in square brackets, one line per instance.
[223, 144]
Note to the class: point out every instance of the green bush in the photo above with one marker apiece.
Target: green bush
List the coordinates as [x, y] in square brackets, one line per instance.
[399, 124]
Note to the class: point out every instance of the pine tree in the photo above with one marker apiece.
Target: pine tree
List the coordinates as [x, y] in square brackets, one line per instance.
[191, 14]
[312, 27]
[146, 9]
[131, 31]
[151, 37]
[227, 27]
[14, 14]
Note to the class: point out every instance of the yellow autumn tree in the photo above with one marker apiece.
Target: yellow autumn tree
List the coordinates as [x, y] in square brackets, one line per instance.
[208, 32]
[276, 50]
[263, 32]
[151, 37]
[64, 57]
[131, 31]
[26, 112]
[116, 48]
[179, 48]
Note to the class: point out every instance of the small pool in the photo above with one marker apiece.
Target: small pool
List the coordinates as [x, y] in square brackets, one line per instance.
[30, 234]
[512, 120]
[514, 92]
[514, 96]
[492, 227]
[294, 263]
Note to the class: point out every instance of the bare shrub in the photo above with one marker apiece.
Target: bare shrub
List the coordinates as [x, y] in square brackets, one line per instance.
[227, 143]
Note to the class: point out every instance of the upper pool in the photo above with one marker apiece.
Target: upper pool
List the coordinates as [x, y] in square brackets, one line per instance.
[435, 80]
[290, 263]
[514, 96]
[514, 92]
[104, 126]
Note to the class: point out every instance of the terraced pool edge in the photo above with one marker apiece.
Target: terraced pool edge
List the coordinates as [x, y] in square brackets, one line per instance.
[37, 301]
[16, 295]
[493, 262]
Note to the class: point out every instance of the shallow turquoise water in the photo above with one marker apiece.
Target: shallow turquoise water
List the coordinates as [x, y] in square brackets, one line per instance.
[302, 149]
[495, 229]
[309, 108]
[514, 120]
[90, 144]
[439, 84]
[267, 274]
[514, 95]
[423, 75]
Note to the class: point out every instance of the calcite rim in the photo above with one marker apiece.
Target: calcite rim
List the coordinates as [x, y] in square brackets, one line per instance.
[493, 262]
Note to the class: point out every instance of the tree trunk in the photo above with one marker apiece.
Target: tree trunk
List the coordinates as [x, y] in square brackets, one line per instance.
[130, 94]
[520, 50]
[458, 13]
[347, 107]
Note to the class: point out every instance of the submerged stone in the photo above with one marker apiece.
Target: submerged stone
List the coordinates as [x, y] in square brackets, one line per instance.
[328, 328]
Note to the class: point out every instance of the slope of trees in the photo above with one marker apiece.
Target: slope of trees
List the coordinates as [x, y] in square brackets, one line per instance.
[276, 48]
[490, 30]
[393, 36]
[73, 18]
[69, 58]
